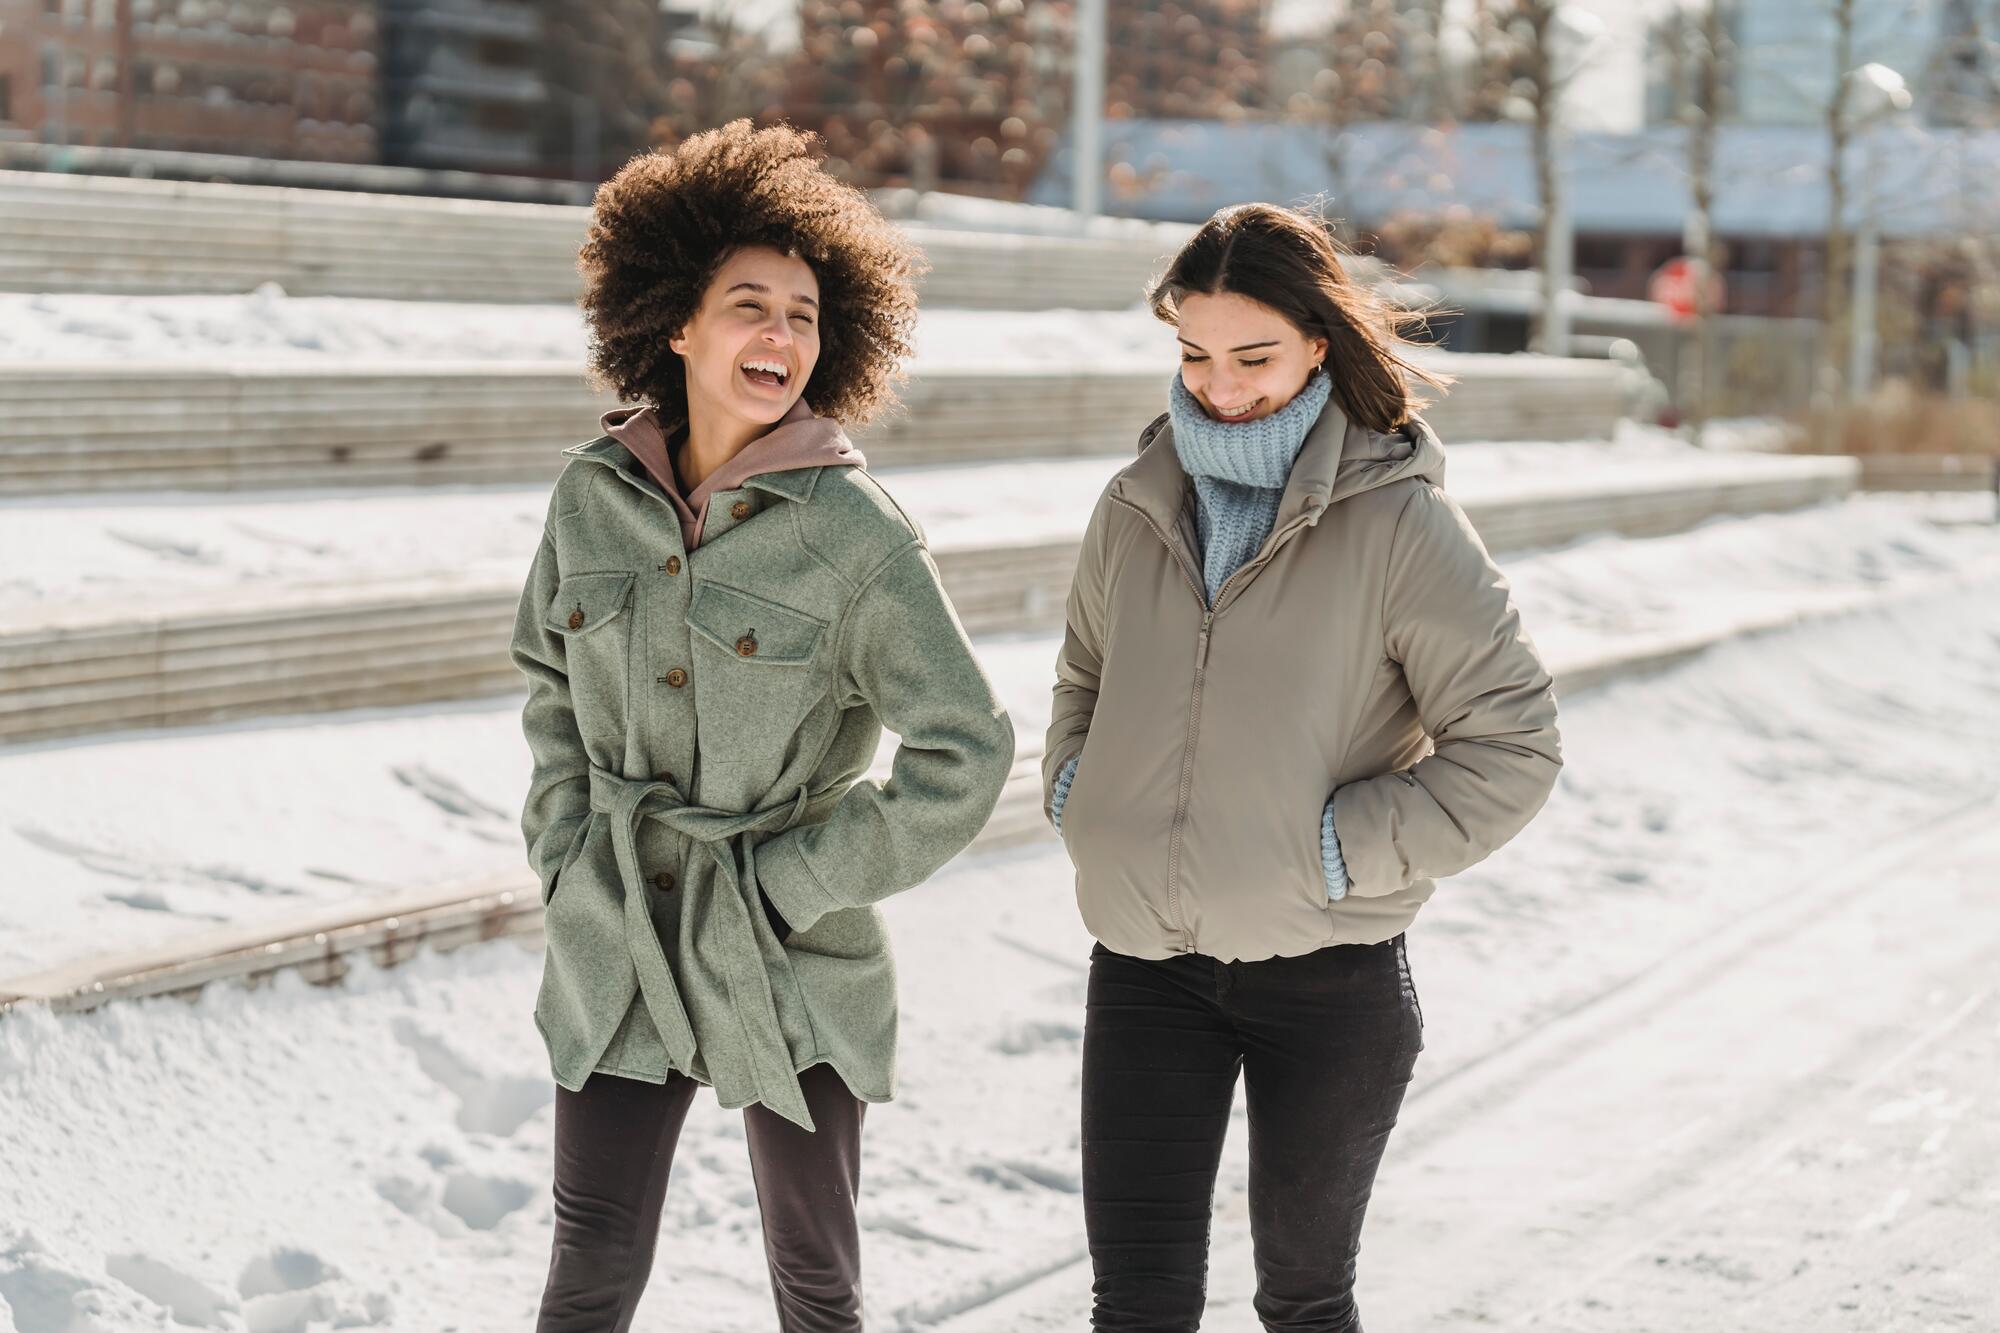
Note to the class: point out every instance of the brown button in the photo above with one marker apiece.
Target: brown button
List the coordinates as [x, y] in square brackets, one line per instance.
[740, 510]
[747, 645]
[677, 678]
[667, 778]
[576, 617]
[664, 881]
[673, 565]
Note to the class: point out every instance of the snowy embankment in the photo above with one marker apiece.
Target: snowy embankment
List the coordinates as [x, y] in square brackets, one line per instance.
[71, 555]
[378, 1154]
[121, 841]
[267, 326]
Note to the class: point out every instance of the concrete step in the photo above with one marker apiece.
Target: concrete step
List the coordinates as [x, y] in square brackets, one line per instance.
[342, 643]
[109, 234]
[100, 428]
[323, 945]
[1930, 472]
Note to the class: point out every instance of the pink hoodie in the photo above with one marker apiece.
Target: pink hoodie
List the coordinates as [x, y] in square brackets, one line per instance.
[798, 440]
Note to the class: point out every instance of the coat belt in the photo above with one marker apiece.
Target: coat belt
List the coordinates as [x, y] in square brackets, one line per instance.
[627, 802]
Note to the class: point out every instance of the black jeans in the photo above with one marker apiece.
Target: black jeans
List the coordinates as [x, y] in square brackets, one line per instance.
[1326, 1042]
[614, 1147]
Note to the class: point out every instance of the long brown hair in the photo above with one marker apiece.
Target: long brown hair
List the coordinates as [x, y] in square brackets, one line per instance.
[1288, 259]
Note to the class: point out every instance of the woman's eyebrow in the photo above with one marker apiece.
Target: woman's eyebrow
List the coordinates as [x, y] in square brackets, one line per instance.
[1246, 347]
[761, 289]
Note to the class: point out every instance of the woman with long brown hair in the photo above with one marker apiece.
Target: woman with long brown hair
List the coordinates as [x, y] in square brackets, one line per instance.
[1293, 691]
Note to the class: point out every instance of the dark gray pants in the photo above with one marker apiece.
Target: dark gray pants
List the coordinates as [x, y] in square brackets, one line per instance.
[614, 1147]
[1325, 1044]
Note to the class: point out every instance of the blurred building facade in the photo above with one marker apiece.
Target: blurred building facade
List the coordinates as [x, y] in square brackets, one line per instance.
[255, 77]
[1779, 66]
[462, 86]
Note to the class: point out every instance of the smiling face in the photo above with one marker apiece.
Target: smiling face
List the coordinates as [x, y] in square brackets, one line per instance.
[750, 348]
[1240, 358]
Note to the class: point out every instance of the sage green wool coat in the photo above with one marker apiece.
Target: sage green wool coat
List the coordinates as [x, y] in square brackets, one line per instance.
[700, 723]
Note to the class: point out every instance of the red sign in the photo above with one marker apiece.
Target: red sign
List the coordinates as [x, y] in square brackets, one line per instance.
[1672, 286]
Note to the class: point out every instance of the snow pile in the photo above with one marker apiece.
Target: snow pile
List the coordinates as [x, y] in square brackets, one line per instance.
[83, 551]
[117, 841]
[378, 1155]
[267, 327]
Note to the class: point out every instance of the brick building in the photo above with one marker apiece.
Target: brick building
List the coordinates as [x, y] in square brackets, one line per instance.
[255, 77]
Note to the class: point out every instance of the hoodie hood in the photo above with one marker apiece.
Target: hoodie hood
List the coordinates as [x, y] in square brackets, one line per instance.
[798, 440]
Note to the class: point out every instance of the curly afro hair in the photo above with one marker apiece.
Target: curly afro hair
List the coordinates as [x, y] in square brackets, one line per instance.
[663, 226]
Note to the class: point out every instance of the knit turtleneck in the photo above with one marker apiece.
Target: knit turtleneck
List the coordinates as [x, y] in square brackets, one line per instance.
[1239, 470]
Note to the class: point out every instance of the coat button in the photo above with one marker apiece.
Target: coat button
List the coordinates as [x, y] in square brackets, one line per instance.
[747, 645]
[677, 678]
[740, 510]
[576, 617]
[667, 778]
[673, 565]
[664, 881]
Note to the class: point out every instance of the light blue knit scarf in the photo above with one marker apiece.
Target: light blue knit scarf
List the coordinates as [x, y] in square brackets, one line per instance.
[1239, 471]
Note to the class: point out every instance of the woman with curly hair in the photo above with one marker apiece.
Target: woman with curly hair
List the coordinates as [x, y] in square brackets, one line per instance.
[1293, 691]
[725, 611]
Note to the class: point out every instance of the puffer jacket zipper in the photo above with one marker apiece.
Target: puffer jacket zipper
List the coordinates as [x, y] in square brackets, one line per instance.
[1194, 699]
[1187, 745]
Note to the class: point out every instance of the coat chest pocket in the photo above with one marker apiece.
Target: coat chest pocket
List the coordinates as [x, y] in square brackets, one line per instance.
[592, 613]
[754, 662]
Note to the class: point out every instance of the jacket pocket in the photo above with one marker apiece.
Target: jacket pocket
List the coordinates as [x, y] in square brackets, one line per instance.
[754, 659]
[1069, 798]
[592, 614]
[569, 857]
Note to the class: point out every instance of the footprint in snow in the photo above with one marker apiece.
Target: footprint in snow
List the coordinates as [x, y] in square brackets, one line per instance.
[187, 1298]
[497, 1104]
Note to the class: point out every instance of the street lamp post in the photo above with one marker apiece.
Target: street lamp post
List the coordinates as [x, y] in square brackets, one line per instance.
[1571, 34]
[1087, 115]
[1876, 93]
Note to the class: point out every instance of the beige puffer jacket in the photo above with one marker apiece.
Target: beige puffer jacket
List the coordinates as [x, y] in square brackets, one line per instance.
[1369, 649]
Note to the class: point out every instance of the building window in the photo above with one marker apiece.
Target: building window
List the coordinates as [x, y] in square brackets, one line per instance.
[6, 98]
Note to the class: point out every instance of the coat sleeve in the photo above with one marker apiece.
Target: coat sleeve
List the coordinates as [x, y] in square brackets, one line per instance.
[904, 652]
[1080, 661]
[1483, 696]
[559, 786]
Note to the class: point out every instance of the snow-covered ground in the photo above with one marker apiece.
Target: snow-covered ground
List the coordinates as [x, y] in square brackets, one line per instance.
[377, 1155]
[267, 326]
[81, 552]
[117, 842]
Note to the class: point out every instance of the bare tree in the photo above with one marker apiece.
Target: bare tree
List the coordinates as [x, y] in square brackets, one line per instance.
[1363, 78]
[1535, 27]
[719, 67]
[1839, 131]
[1964, 87]
[1430, 93]
[1701, 64]
[1521, 75]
